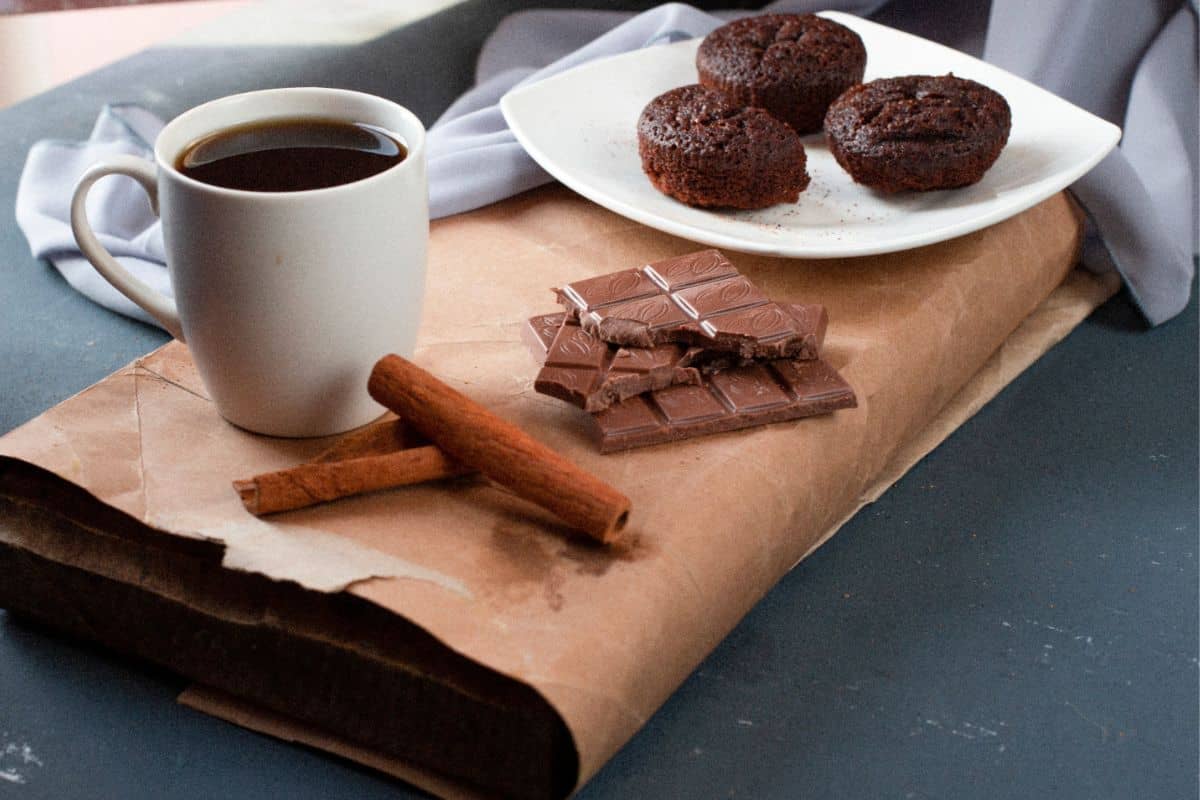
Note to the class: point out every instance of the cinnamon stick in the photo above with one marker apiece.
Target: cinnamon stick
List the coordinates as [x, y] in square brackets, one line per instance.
[474, 436]
[321, 481]
[385, 436]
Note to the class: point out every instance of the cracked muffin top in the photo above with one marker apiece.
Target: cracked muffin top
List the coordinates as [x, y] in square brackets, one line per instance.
[915, 110]
[760, 51]
[918, 132]
[698, 120]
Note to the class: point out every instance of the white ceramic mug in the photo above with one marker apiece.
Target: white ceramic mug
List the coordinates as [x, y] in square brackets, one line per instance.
[285, 299]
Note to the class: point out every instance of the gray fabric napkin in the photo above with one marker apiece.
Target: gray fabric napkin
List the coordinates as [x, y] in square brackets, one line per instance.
[1134, 64]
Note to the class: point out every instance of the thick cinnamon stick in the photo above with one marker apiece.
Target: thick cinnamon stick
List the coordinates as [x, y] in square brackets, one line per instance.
[474, 436]
[321, 481]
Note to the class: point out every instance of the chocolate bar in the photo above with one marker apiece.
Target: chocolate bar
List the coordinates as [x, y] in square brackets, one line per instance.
[698, 299]
[591, 374]
[740, 397]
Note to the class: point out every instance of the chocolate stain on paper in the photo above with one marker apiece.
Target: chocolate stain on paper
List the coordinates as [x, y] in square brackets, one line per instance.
[535, 563]
[523, 565]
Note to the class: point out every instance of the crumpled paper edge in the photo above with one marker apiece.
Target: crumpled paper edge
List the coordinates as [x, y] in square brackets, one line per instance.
[283, 551]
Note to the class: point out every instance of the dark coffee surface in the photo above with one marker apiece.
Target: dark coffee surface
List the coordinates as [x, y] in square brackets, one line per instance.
[291, 155]
[698, 298]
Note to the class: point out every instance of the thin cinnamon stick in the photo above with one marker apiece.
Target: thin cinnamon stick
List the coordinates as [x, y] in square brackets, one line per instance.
[321, 481]
[385, 436]
[474, 436]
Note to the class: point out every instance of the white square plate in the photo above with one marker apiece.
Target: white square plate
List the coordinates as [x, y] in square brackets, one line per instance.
[581, 127]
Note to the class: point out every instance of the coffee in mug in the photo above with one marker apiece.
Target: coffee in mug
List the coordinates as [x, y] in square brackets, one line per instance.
[291, 155]
[295, 223]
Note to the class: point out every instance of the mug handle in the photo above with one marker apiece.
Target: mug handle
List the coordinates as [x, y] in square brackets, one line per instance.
[157, 305]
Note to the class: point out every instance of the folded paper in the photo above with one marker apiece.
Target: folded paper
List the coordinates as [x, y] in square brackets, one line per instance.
[602, 637]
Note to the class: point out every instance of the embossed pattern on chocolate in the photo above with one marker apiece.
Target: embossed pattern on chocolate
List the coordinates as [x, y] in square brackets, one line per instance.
[698, 298]
[591, 374]
[728, 400]
[726, 397]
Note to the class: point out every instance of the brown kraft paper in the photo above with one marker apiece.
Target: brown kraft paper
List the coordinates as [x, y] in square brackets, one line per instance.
[603, 636]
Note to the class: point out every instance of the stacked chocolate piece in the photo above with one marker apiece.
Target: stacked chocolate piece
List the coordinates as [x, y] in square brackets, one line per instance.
[683, 347]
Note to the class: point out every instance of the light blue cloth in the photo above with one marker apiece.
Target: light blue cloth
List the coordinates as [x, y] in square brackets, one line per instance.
[1135, 64]
[1132, 63]
[117, 208]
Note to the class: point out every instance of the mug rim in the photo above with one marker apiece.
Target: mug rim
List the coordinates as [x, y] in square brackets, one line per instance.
[416, 151]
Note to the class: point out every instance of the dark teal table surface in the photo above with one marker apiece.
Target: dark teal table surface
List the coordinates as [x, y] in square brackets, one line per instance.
[1016, 618]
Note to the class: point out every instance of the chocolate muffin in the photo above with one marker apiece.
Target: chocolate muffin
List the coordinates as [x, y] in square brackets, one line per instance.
[793, 65]
[705, 150]
[918, 132]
